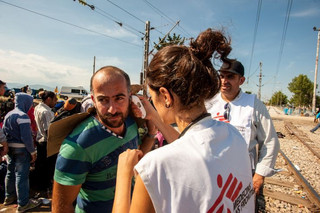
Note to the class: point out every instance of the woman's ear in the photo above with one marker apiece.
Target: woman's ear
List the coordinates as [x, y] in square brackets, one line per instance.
[166, 95]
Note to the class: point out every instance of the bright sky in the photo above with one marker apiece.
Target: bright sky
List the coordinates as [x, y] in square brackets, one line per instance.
[35, 49]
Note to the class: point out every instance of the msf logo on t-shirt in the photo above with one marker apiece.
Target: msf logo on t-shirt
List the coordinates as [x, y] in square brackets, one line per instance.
[231, 190]
[220, 117]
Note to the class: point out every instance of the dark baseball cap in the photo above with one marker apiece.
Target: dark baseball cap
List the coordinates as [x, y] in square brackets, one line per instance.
[2, 82]
[233, 66]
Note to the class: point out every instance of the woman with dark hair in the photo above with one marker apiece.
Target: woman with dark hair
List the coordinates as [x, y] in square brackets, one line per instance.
[43, 115]
[207, 168]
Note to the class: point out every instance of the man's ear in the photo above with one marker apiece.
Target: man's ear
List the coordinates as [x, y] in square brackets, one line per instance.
[92, 98]
[242, 80]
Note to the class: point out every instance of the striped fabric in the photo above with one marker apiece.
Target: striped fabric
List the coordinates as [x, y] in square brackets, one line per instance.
[89, 156]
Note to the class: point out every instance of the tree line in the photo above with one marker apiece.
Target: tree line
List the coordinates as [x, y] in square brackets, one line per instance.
[302, 89]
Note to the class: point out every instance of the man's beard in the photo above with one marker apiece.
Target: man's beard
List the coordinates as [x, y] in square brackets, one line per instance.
[105, 119]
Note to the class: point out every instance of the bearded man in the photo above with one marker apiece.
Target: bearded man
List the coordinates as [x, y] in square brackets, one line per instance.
[87, 162]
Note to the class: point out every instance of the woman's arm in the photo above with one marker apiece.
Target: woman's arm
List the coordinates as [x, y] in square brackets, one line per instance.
[127, 160]
[141, 201]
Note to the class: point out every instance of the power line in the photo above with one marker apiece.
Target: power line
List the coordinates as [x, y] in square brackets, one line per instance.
[284, 33]
[110, 17]
[157, 10]
[126, 11]
[254, 72]
[132, 15]
[255, 35]
[120, 23]
[67, 23]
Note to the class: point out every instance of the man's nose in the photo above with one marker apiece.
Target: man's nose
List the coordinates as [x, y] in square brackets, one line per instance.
[224, 80]
[112, 108]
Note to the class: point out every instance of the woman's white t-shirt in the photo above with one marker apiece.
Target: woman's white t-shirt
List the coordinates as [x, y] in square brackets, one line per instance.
[206, 170]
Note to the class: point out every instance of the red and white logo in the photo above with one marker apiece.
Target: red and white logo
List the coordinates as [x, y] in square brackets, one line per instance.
[230, 190]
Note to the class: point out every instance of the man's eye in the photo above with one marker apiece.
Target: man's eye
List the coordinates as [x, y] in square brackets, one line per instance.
[101, 99]
[120, 98]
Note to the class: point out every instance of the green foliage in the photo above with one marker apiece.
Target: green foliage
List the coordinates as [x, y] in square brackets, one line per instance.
[278, 98]
[175, 39]
[248, 92]
[302, 88]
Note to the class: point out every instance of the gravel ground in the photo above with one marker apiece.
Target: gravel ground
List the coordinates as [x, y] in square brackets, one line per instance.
[299, 155]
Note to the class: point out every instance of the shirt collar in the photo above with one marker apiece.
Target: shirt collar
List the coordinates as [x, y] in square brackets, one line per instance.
[236, 98]
[45, 106]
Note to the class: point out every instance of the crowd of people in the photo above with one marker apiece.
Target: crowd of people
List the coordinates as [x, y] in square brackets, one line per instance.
[221, 141]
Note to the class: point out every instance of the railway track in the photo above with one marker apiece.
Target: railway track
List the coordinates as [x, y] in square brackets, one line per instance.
[303, 138]
[293, 189]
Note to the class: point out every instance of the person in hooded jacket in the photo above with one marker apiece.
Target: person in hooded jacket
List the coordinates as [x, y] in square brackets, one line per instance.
[21, 153]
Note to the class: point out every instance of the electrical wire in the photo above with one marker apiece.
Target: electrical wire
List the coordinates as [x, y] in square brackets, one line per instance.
[157, 10]
[254, 72]
[68, 23]
[283, 38]
[284, 33]
[255, 35]
[120, 23]
[132, 15]
[111, 17]
[126, 11]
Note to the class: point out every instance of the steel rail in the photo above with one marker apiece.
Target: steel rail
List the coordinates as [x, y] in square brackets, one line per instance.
[317, 154]
[312, 195]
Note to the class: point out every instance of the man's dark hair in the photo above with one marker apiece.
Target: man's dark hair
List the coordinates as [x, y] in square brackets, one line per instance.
[47, 94]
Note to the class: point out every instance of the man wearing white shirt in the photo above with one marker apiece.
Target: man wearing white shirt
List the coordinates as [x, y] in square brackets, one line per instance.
[43, 115]
[250, 116]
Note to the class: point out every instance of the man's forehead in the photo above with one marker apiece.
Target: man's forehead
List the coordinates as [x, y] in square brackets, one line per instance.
[223, 73]
[109, 80]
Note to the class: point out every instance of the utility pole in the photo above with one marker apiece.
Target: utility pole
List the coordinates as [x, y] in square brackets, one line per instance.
[146, 55]
[260, 80]
[315, 73]
[165, 36]
[94, 64]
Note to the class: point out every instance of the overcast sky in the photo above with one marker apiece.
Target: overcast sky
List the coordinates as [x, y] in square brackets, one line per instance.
[53, 43]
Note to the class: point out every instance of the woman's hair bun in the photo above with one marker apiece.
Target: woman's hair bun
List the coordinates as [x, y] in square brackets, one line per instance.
[208, 42]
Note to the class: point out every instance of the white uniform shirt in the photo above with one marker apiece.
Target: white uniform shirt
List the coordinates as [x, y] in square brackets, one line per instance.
[43, 115]
[247, 110]
[205, 170]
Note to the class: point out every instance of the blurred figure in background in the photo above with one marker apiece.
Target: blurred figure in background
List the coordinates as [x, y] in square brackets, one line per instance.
[21, 153]
[43, 115]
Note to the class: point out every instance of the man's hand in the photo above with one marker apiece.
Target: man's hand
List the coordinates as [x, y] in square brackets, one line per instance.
[33, 158]
[5, 149]
[257, 182]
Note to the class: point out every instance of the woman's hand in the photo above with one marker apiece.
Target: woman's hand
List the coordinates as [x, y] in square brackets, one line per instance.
[135, 110]
[151, 111]
[127, 160]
